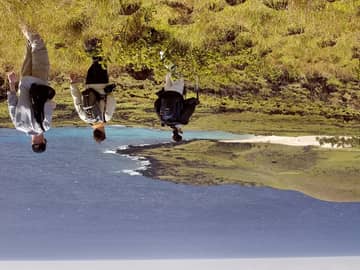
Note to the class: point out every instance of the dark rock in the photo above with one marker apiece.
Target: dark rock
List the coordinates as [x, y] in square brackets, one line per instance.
[283, 78]
[2, 94]
[59, 45]
[265, 52]
[78, 24]
[215, 7]
[297, 30]
[185, 19]
[129, 8]
[181, 7]
[142, 74]
[240, 66]
[153, 36]
[276, 4]
[355, 52]
[230, 35]
[134, 149]
[318, 87]
[235, 2]
[3, 90]
[327, 43]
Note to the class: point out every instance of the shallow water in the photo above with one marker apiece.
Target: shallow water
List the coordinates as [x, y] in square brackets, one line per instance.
[76, 202]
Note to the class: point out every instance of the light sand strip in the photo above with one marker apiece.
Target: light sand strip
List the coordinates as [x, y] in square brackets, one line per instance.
[284, 140]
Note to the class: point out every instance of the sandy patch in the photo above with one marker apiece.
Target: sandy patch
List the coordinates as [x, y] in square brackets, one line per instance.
[284, 140]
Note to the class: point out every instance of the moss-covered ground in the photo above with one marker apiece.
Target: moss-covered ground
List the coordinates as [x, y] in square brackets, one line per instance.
[278, 57]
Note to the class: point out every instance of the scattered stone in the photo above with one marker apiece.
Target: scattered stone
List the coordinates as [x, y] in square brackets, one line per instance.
[216, 7]
[128, 9]
[154, 36]
[355, 52]
[276, 4]
[181, 7]
[318, 87]
[327, 43]
[264, 52]
[78, 24]
[59, 45]
[239, 66]
[2, 94]
[230, 35]
[2, 89]
[184, 19]
[244, 42]
[235, 2]
[142, 74]
[295, 30]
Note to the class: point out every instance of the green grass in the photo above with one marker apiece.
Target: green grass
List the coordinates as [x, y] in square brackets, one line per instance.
[331, 175]
[265, 67]
[250, 57]
[259, 123]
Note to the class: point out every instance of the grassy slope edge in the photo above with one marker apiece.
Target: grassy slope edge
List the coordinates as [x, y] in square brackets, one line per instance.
[294, 58]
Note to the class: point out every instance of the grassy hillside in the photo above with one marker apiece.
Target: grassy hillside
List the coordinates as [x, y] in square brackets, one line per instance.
[287, 57]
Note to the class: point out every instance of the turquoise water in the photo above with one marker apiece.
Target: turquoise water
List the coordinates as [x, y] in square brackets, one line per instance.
[76, 202]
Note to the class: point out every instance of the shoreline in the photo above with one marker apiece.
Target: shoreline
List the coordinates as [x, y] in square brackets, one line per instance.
[328, 174]
[151, 170]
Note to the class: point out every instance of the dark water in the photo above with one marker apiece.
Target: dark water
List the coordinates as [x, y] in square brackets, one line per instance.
[76, 202]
